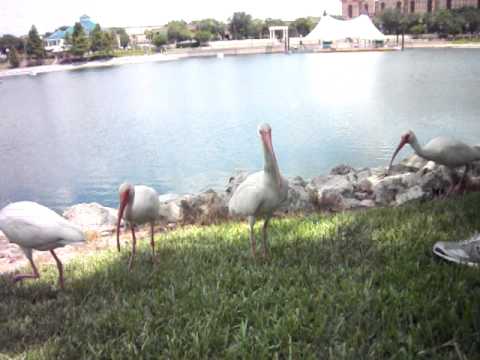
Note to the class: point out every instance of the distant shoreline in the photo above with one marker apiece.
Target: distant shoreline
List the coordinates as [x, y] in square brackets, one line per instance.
[211, 52]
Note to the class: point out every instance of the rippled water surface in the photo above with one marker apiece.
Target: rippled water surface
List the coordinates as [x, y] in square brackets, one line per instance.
[186, 126]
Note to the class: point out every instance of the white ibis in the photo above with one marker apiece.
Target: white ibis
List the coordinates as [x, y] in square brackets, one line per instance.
[261, 193]
[138, 205]
[442, 150]
[33, 226]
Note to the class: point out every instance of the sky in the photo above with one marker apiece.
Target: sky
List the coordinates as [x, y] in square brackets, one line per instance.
[17, 16]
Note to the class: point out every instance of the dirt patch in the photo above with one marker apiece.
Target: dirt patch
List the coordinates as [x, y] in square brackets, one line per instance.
[12, 257]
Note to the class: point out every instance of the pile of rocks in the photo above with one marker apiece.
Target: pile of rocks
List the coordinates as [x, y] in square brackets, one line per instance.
[345, 188]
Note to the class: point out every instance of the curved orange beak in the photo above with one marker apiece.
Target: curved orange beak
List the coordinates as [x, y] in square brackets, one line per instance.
[123, 203]
[402, 143]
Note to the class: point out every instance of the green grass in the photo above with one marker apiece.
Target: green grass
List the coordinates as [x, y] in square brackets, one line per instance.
[359, 285]
[466, 40]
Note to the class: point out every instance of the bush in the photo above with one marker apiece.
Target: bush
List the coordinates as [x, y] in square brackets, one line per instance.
[13, 58]
[203, 36]
[418, 29]
[159, 39]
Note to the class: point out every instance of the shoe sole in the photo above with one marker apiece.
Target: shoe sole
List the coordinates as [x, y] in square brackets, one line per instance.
[439, 252]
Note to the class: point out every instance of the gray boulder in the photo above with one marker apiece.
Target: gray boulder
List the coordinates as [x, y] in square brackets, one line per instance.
[92, 216]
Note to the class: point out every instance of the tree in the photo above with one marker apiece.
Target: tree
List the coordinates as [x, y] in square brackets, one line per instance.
[9, 41]
[34, 44]
[80, 43]
[271, 22]
[109, 41]
[240, 24]
[390, 20]
[256, 29]
[302, 26]
[445, 22]
[124, 39]
[123, 36]
[97, 39]
[13, 58]
[214, 27]
[178, 31]
[470, 18]
[203, 36]
[159, 39]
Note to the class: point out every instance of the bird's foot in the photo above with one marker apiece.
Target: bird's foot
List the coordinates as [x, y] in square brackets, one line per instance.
[265, 255]
[21, 277]
[130, 264]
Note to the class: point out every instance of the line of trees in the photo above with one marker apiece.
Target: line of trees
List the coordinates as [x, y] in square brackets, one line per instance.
[32, 48]
[239, 26]
[243, 26]
[443, 22]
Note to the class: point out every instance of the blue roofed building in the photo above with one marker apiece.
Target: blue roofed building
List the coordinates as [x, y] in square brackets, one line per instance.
[56, 41]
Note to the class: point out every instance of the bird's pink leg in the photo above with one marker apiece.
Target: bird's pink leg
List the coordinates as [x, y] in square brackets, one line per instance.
[134, 242]
[251, 222]
[35, 275]
[60, 270]
[265, 246]
[152, 241]
[462, 185]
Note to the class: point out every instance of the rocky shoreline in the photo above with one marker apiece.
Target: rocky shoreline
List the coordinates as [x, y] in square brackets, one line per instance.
[345, 188]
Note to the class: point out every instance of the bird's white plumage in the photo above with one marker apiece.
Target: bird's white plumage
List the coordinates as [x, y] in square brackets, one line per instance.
[258, 195]
[449, 152]
[33, 226]
[145, 206]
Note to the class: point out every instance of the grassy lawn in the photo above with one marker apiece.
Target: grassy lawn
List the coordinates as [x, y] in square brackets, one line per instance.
[350, 286]
[466, 41]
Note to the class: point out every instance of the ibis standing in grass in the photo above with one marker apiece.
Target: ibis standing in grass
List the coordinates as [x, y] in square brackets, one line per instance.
[139, 205]
[261, 193]
[33, 226]
[444, 151]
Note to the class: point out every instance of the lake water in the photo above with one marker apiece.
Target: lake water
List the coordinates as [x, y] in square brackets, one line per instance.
[186, 126]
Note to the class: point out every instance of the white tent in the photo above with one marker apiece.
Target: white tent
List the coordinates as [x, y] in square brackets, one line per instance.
[331, 29]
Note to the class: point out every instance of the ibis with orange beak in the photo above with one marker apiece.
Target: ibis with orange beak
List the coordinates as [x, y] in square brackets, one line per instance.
[138, 205]
[261, 193]
[444, 151]
[34, 226]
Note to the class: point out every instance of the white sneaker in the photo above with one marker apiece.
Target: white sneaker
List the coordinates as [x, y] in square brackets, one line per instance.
[466, 252]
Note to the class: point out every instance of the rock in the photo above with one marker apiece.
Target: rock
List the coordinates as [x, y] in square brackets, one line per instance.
[412, 193]
[350, 204]
[92, 216]
[340, 182]
[171, 210]
[363, 174]
[342, 170]
[205, 208]
[330, 191]
[331, 199]
[414, 162]
[300, 199]
[435, 181]
[385, 190]
[297, 180]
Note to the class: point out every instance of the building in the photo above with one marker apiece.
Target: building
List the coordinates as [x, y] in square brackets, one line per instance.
[353, 8]
[138, 35]
[56, 41]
